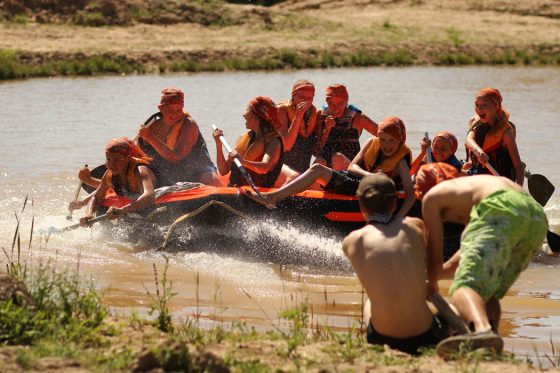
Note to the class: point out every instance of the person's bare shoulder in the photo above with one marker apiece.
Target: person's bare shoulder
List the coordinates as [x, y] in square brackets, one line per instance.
[415, 222]
[352, 241]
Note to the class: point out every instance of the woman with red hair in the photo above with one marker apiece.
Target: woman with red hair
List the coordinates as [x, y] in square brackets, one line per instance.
[259, 150]
[491, 138]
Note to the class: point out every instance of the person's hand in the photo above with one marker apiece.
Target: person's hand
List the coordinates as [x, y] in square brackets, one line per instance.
[302, 107]
[75, 205]
[330, 122]
[85, 221]
[234, 154]
[482, 157]
[425, 143]
[84, 174]
[114, 212]
[217, 133]
[144, 132]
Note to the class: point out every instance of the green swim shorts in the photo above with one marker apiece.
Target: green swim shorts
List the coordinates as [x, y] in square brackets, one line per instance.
[505, 229]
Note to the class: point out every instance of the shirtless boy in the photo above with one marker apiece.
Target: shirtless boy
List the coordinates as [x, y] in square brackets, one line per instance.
[504, 228]
[390, 261]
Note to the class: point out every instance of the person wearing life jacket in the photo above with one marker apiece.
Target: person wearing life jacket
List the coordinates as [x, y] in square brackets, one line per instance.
[491, 138]
[444, 145]
[299, 129]
[127, 174]
[387, 153]
[260, 149]
[176, 145]
[341, 126]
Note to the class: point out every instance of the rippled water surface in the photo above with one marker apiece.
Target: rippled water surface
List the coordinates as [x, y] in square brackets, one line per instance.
[52, 126]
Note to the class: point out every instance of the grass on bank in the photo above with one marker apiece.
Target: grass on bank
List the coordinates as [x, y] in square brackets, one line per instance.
[61, 315]
[16, 65]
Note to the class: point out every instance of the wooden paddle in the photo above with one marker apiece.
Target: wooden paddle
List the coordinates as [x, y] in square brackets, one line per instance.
[76, 195]
[242, 169]
[552, 238]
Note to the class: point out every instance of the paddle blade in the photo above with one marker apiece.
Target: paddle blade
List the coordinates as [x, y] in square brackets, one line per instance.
[540, 188]
[553, 241]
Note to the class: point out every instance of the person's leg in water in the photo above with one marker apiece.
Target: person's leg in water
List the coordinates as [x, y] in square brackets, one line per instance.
[316, 173]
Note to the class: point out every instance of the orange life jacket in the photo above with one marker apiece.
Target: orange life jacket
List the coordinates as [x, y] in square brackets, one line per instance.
[132, 182]
[389, 164]
[173, 135]
[256, 150]
[495, 136]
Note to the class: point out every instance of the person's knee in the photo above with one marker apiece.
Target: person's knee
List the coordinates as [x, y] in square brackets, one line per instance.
[318, 168]
[339, 161]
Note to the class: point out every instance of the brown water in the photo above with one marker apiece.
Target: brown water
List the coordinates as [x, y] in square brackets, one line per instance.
[52, 126]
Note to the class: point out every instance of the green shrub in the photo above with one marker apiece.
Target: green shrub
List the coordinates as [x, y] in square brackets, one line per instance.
[21, 19]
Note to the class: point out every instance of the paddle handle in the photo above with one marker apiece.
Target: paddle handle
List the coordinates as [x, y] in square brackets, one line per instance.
[77, 225]
[76, 195]
[429, 155]
[487, 165]
[228, 148]
[152, 119]
[491, 169]
[447, 313]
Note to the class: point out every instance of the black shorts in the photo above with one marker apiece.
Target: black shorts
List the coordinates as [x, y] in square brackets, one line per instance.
[431, 337]
[342, 182]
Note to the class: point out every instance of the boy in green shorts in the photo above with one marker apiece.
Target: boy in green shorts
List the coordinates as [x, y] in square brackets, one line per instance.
[504, 228]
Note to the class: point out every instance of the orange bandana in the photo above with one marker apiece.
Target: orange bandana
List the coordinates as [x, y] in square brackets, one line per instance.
[450, 138]
[394, 127]
[170, 96]
[337, 90]
[126, 147]
[429, 175]
[303, 85]
[492, 94]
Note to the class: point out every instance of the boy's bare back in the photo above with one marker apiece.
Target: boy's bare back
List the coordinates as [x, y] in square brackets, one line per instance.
[390, 261]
